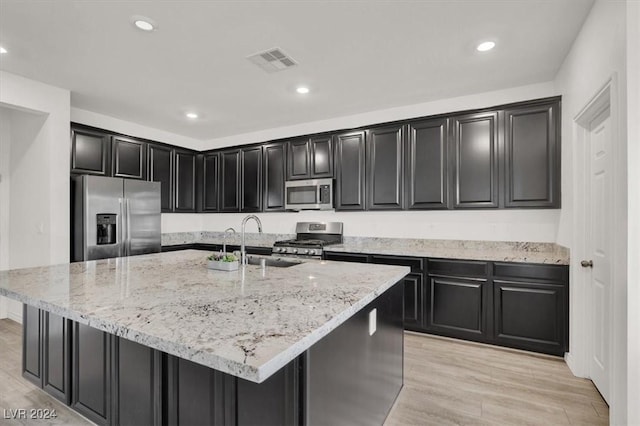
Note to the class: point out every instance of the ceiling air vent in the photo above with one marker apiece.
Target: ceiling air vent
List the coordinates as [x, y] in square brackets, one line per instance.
[272, 60]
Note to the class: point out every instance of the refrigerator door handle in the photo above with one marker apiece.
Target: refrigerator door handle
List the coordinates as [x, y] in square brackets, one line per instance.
[128, 209]
[122, 236]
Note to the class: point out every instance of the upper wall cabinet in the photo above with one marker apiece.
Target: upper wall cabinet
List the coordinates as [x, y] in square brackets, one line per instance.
[185, 197]
[475, 160]
[230, 181]
[385, 168]
[310, 158]
[161, 170]
[90, 152]
[274, 169]
[532, 156]
[251, 190]
[426, 181]
[129, 158]
[350, 171]
[210, 181]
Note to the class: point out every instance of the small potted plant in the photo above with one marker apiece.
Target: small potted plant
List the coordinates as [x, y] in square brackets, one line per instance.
[222, 261]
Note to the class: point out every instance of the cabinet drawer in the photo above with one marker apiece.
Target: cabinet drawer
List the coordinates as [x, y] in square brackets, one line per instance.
[457, 268]
[347, 257]
[415, 263]
[557, 273]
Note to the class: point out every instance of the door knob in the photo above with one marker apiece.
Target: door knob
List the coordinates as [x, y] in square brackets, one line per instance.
[587, 263]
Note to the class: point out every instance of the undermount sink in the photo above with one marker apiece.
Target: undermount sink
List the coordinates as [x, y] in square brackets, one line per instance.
[271, 261]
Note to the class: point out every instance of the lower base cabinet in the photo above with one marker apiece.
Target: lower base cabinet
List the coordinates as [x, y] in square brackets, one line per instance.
[518, 305]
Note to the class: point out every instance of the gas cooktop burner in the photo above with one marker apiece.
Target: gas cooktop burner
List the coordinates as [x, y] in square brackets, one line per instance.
[311, 237]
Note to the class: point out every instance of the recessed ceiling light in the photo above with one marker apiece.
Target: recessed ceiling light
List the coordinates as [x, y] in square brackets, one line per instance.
[3, 50]
[192, 115]
[485, 46]
[144, 23]
[302, 90]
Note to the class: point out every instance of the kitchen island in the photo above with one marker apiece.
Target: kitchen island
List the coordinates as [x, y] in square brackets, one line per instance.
[161, 339]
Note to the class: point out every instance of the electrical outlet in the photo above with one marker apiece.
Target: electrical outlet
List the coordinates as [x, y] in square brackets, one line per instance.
[372, 321]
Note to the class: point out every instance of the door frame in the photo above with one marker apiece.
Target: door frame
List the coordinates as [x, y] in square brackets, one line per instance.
[581, 297]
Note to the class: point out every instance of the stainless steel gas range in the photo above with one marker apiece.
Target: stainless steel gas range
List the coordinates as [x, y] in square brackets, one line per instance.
[311, 238]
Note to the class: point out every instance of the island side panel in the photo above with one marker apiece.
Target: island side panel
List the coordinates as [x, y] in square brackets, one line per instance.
[353, 377]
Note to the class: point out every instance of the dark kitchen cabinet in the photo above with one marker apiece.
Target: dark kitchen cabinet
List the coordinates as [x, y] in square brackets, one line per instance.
[385, 168]
[275, 166]
[310, 158]
[160, 166]
[32, 345]
[230, 181]
[459, 298]
[210, 182]
[251, 184]
[350, 171]
[90, 152]
[91, 373]
[475, 160]
[531, 307]
[136, 384]
[46, 352]
[129, 158]
[185, 181]
[346, 257]
[532, 156]
[426, 175]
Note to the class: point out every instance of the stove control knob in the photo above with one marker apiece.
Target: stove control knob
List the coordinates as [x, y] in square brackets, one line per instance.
[276, 250]
[304, 251]
[294, 250]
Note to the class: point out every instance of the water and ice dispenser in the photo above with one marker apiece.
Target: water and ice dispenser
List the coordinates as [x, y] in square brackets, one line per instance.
[106, 228]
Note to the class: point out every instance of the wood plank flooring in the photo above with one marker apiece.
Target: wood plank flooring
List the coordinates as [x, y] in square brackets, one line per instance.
[452, 382]
[447, 382]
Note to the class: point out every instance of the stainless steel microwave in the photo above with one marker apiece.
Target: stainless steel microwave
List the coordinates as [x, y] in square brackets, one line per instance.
[312, 194]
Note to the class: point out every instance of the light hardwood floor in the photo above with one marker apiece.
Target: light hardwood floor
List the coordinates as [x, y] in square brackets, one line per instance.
[447, 382]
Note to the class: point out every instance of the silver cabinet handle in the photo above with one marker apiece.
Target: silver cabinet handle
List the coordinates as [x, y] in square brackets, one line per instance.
[587, 263]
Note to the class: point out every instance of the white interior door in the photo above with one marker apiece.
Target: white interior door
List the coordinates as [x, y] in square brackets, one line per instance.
[600, 246]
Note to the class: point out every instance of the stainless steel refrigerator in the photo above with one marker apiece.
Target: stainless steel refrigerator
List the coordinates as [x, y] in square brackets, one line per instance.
[115, 217]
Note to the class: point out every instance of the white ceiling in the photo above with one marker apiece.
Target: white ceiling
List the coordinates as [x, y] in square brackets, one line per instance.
[356, 56]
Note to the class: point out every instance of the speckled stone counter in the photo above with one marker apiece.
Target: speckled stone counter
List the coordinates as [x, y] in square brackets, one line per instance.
[499, 251]
[249, 323]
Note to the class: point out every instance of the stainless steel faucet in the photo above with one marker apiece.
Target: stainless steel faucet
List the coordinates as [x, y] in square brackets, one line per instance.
[243, 252]
[224, 239]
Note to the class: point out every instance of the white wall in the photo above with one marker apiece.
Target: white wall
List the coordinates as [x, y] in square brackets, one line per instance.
[597, 55]
[5, 152]
[633, 134]
[38, 200]
[133, 129]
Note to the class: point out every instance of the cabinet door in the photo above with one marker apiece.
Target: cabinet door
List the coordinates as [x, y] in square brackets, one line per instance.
[129, 158]
[274, 176]
[532, 156]
[251, 179]
[31, 345]
[299, 160]
[321, 157]
[56, 364]
[230, 181]
[90, 152]
[350, 171]
[137, 384]
[459, 307]
[346, 257]
[91, 373]
[413, 301]
[385, 171]
[427, 183]
[211, 184]
[161, 170]
[185, 181]
[475, 169]
[531, 315]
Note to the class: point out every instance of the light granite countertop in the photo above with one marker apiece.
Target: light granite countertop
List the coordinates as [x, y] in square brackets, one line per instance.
[249, 323]
[498, 251]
